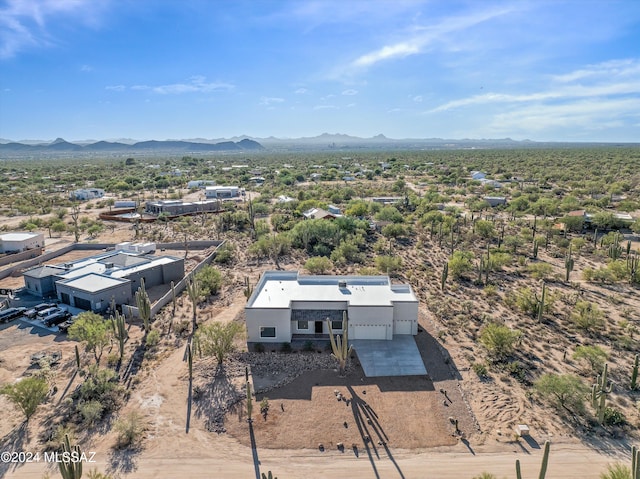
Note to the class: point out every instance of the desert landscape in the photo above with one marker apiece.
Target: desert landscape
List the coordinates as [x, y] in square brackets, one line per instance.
[525, 269]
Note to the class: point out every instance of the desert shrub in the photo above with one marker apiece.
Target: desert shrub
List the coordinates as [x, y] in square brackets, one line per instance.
[517, 370]
[210, 280]
[587, 316]
[594, 356]
[486, 475]
[318, 265]
[499, 340]
[562, 390]
[153, 338]
[130, 429]
[285, 348]
[540, 270]
[614, 417]
[480, 369]
[182, 327]
[27, 394]
[617, 471]
[101, 385]
[308, 346]
[91, 412]
[113, 359]
[225, 254]
[490, 290]
[217, 339]
[460, 263]
[388, 264]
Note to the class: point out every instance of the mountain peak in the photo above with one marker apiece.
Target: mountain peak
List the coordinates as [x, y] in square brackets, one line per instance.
[58, 140]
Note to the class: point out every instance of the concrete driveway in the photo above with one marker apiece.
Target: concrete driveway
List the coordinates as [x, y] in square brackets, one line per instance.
[398, 357]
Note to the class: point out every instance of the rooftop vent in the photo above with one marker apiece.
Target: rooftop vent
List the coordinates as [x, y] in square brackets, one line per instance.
[108, 265]
[342, 284]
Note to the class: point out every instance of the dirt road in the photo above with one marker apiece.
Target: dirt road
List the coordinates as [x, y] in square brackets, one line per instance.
[229, 460]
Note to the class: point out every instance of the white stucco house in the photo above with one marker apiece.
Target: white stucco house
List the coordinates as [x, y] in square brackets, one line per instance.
[21, 241]
[87, 194]
[221, 192]
[286, 306]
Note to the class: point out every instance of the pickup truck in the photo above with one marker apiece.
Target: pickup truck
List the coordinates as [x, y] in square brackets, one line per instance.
[11, 313]
[57, 318]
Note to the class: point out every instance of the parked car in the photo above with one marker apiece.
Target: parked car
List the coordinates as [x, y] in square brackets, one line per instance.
[45, 313]
[11, 313]
[57, 318]
[65, 325]
[31, 313]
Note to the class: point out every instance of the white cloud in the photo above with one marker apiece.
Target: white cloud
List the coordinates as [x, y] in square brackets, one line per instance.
[116, 87]
[23, 23]
[301, 91]
[269, 100]
[350, 92]
[417, 98]
[196, 84]
[86, 68]
[421, 38]
[610, 69]
[325, 107]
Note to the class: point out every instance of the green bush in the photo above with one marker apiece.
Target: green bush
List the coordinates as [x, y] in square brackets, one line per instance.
[130, 429]
[153, 338]
[499, 340]
[210, 280]
[91, 412]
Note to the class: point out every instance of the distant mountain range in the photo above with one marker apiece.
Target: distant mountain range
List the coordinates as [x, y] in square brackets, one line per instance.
[60, 145]
[239, 144]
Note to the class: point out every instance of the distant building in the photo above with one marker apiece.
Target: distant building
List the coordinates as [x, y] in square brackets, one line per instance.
[18, 242]
[315, 176]
[334, 210]
[318, 214]
[387, 200]
[478, 175]
[124, 204]
[179, 207]
[87, 194]
[285, 199]
[200, 183]
[495, 200]
[221, 192]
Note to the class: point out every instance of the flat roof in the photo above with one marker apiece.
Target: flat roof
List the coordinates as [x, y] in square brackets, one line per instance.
[92, 282]
[277, 289]
[18, 236]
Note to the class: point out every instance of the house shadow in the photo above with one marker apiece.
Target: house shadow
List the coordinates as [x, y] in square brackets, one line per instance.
[439, 363]
[15, 441]
[215, 398]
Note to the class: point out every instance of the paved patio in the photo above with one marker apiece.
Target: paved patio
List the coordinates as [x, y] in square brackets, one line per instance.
[398, 357]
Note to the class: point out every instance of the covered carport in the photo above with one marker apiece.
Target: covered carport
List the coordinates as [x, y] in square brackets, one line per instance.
[396, 357]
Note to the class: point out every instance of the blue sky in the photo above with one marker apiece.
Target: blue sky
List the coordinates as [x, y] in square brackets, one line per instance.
[157, 69]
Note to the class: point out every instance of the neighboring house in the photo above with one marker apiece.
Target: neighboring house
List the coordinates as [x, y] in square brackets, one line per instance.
[478, 175]
[491, 183]
[87, 283]
[318, 214]
[285, 199]
[200, 183]
[334, 210]
[315, 176]
[258, 180]
[87, 194]
[387, 200]
[124, 204]
[179, 207]
[286, 306]
[18, 242]
[221, 192]
[495, 200]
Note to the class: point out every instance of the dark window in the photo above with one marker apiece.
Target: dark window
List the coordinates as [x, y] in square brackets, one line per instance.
[267, 332]
[82, 303]
[336, 325]
[303, 324]
[64, 297]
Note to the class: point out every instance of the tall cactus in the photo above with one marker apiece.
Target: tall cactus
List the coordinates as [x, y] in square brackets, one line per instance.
[568, 265]
[144, 305]
[119, 328]
[190, 360]
[541, 302]
[339, 344]
[543, 466]
[193, 290]
[443, 277]
[595, 239]
[536, 245]
[70, 469]
[249, 403]
[633, 261]
[634, 374]
[599, 392]
[635, 463]
[269, 475]
[248, 289]
[173, 300]
[77, 357]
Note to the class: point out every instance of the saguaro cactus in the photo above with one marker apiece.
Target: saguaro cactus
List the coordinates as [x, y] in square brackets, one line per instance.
[540, 306]
[599, 392]
[635, 463]
[339, 344]
[249, 403]
[119, 331]
[190, 360]
[443, 277]
[543, 466]
[173, 300]
[70, 469]
[568, 265]
[248, 289]
[77, 357]
[144, 305]
[634, 374]
[536, 245]
[193, 290]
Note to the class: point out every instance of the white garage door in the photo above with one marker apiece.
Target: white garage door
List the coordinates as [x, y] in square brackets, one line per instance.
[368, 332]
[402, 326]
